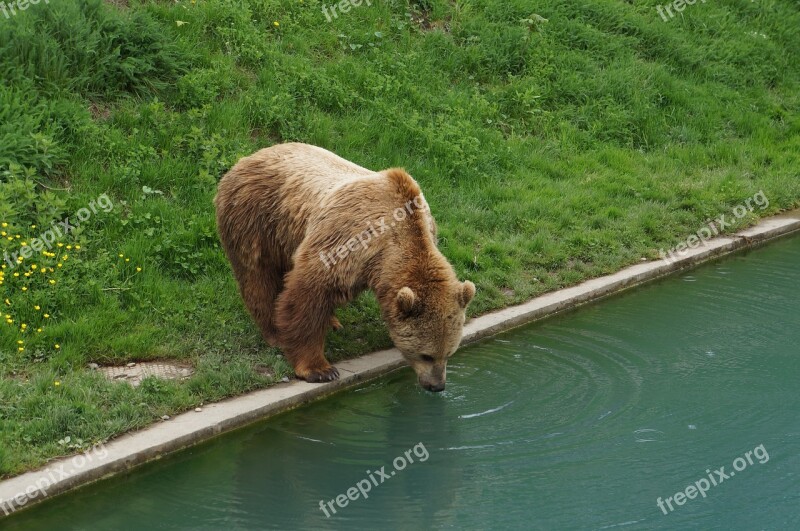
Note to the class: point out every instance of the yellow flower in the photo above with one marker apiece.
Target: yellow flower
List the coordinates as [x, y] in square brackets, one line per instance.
[56, 383]
[37, 307]
[57, 346]
[46, 316]
[52, 281]
[277, 24]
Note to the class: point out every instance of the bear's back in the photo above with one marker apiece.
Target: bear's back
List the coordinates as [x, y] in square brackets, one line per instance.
[273, 194]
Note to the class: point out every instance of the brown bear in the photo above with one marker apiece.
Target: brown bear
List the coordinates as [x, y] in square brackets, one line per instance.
[306, 231]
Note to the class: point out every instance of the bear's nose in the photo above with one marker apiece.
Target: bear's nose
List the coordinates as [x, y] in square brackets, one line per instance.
[436, 388]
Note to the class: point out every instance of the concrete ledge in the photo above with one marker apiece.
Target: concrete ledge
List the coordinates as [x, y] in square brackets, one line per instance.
[151, 443]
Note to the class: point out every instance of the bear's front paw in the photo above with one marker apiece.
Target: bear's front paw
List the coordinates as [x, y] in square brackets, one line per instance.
[325, 374]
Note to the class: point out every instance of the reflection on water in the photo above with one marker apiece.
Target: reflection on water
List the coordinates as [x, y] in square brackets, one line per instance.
[580, 422]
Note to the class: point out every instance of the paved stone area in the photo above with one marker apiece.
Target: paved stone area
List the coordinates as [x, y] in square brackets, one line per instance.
[134, 373]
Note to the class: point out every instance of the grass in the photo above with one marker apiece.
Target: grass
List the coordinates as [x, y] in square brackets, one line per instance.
[554, 141]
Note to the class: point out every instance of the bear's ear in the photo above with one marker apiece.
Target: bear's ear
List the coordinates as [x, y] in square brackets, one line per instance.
[405, 300]
[467, 293]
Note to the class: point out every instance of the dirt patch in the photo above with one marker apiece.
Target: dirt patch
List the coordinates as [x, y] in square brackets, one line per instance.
[423, 20]
[122, 4]
[99, 112]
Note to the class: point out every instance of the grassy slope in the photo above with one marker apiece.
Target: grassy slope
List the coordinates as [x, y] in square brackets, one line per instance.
[550, 151]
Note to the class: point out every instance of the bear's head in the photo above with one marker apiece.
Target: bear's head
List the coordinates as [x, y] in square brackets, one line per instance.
[425, 323]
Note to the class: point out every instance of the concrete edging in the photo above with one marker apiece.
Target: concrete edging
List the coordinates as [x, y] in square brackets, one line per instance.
[187, 429]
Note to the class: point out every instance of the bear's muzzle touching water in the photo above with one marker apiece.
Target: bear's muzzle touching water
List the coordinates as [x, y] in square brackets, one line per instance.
[306, 231]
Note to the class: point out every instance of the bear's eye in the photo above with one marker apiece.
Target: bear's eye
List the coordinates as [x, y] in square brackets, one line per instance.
[426, 358]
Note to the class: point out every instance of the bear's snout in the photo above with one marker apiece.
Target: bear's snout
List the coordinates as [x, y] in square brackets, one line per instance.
[432, 378]
[436, 387]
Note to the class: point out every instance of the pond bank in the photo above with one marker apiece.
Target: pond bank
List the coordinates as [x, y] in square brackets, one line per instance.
[191, 428]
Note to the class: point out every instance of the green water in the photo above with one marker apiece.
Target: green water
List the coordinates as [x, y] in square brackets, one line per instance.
[580, 422]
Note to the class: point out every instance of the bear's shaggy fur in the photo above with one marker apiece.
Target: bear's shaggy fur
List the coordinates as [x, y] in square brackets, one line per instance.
[306, 231]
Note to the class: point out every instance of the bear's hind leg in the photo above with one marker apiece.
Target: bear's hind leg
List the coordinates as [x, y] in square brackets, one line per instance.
[259, 289]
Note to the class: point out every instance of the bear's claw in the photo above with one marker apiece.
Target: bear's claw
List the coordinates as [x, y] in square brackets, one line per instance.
[322, 375]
